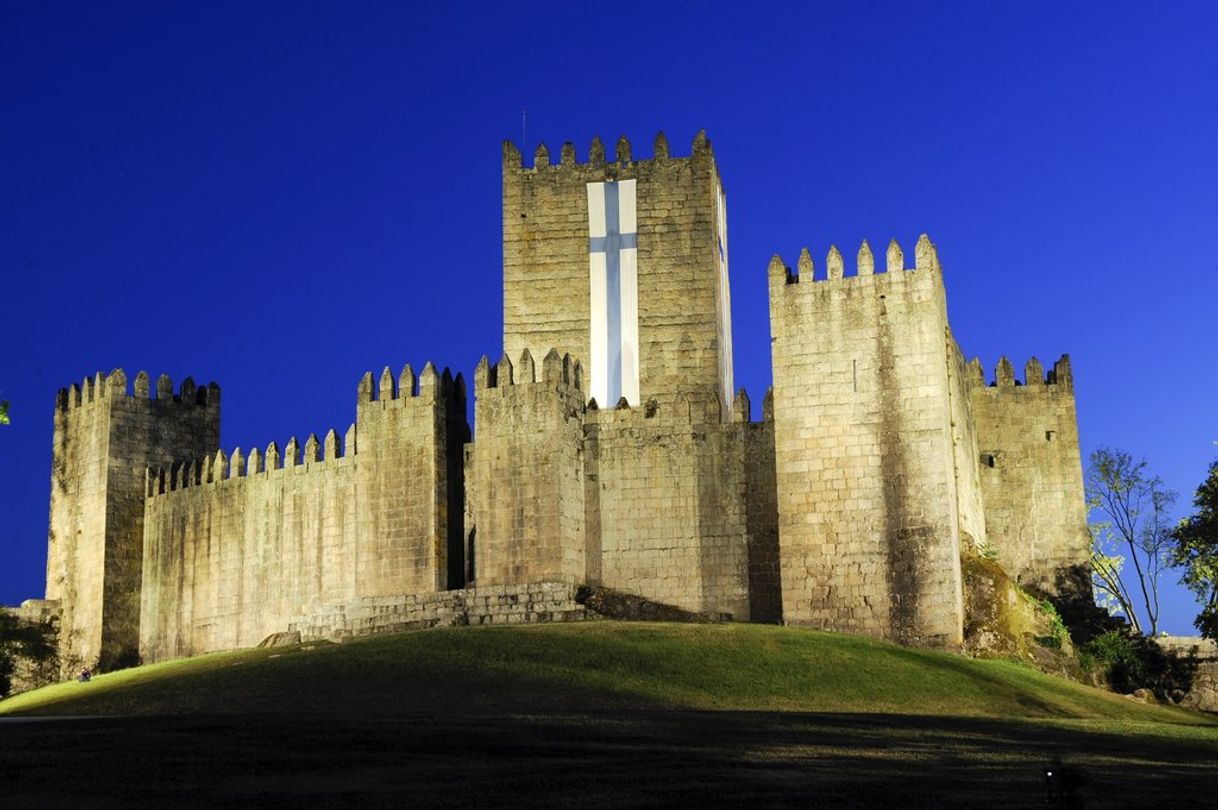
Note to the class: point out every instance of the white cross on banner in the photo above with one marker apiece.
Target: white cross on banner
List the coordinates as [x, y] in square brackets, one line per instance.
[725, 306]
[613, 265]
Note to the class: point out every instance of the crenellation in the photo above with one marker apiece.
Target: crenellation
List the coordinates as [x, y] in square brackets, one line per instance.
[805, 267]
[164, 388]
[568, 154]
[660, 146]
[741, 407]
[623, 150]
[541, 157]
[1004, 373]
[219, 468]
[142, 385]
[836, 267]
[484, 377]
[1061, 374]
[189, 391]
[116, 383]
[312, 450]
[976, 374]
[527, 373]
[551, 368]
[896, 258]
[865, 261]
[503, 372]
[1033, 372]
[926, 257]
[385, 391]
[429, 383]
[407, 383]
[512, 158]
[331, 448]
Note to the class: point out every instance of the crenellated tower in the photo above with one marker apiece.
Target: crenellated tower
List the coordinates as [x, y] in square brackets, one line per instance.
[868, 506]
[1031, 474]
[623, 264]
[412, 430]
[527, 471]
[105, 437]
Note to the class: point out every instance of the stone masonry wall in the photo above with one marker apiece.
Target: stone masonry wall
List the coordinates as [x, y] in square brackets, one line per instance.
[671, 520]
[234, 549]
[527, 472]
[545, 261]
[105, 438]
[232, 552]
[969, 503]
[867, 503]
[27, 673]
[530, 603]
[1031, 472]
[761, 505]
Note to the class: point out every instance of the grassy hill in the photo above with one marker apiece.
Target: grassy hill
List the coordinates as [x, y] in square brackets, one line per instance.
[596, 665]
[599, 714]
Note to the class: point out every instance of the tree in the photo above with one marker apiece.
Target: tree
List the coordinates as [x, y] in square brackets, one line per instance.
[1196, 551]
[1134, 532]
[3, 413]
[21, 639]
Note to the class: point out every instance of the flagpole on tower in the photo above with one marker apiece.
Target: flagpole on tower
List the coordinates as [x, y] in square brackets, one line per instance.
[524, 123]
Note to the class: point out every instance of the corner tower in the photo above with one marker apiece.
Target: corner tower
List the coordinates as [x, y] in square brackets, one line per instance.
[105, 440]
[622, 264]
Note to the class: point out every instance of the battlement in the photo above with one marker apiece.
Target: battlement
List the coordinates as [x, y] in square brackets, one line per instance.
[556, 370]
[224, 467]
[103, 387]
[427, 386]
[926, 258]
[513, 160]
[684, 408]
[1034, 374]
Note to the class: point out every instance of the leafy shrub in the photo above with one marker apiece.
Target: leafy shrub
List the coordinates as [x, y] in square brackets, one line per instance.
[1136, 662]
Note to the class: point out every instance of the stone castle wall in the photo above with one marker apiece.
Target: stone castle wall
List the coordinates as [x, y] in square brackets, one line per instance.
[546, 290]
[235, 546]
[970, 505]
[671, 521]
[867, 502]
[1031, 473]
[232, 552]
[105, 438]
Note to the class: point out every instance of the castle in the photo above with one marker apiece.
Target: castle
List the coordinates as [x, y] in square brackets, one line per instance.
[609, 447]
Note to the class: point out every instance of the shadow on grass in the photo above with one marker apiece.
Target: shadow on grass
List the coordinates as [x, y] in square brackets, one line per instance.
[638, 758]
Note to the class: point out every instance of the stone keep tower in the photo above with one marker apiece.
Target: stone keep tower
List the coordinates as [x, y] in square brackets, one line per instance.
[105, 439]
[624, 266]
[621, 458]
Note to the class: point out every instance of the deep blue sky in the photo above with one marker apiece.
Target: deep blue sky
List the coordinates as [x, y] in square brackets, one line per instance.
[281, 196]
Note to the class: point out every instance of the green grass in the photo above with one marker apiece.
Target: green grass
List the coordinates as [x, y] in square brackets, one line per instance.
[598, 715]
[603, 665]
